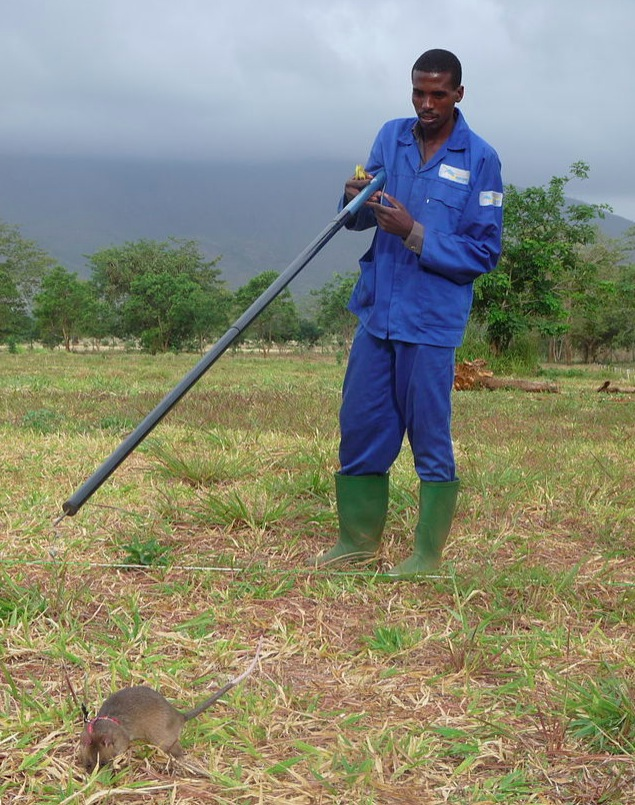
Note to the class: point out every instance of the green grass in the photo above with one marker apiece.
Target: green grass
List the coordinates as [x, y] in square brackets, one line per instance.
[507, 678]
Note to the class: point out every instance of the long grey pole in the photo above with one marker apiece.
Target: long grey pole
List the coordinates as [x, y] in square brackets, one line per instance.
[92, 484]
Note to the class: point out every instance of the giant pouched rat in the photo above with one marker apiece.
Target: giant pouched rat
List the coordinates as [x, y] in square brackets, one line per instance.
[141, 713]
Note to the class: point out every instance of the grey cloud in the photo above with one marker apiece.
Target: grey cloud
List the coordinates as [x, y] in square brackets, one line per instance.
[546, 82]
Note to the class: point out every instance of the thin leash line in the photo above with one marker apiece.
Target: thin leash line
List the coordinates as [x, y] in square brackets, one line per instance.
[250, 571]
[324, 572]
[244, 571]
[301, 572]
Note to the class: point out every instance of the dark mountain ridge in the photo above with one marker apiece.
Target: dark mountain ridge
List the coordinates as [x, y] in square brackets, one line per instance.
[257, 216]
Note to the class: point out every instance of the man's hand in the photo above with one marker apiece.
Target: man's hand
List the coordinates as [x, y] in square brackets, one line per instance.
[353, 187]
[392, 217]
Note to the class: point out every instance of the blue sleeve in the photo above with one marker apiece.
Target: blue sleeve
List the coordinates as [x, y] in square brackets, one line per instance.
[474, 248]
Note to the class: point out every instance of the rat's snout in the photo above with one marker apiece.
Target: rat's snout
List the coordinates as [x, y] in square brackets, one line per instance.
[89, 764]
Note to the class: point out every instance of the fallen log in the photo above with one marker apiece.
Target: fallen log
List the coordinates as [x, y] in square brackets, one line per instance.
[469, 374]
[609, 388]
[474, 375]
[493, 383]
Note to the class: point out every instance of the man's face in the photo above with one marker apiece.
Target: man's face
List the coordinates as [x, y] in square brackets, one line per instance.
[434, 98]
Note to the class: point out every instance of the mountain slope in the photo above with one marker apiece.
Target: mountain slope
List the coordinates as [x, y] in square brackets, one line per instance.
[258, 217]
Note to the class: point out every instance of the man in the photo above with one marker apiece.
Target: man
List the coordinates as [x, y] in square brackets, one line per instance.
[438, 227]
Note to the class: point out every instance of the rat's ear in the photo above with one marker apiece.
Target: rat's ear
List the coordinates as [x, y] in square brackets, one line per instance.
[105, 740]
[86, 739]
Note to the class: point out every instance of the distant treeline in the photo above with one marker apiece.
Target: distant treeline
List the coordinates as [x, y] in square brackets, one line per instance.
[560, 282]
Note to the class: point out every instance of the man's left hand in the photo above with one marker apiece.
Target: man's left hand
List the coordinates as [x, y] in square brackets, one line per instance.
[392, 217]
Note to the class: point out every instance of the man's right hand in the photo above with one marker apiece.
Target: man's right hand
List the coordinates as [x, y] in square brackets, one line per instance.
[353, 187]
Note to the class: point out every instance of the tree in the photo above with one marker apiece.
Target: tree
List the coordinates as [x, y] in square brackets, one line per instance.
[11, 305]
[167, 311]
[278, 322]
[624, 310]
[102, 321]
[62, 308]
[22, 265]
[594, 303]
[164, 293]
[309, 332]
[210, 314]
[542, 234]
[333, 315]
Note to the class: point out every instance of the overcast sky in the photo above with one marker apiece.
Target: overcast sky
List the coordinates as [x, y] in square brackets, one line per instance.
[547, 82]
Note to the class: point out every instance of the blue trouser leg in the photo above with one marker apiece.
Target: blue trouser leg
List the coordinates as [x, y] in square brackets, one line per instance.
[371, 425]
[392, 388]
[429, 377]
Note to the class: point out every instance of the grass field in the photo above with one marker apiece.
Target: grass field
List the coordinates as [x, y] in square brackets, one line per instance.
[507, 678]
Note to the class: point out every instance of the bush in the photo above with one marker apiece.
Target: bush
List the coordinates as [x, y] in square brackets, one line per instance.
[475, 345]
[522, 357]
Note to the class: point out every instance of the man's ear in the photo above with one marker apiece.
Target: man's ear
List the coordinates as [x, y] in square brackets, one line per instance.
[459, 93]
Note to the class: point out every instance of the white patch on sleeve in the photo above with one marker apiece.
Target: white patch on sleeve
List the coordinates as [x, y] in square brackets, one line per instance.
[490, 198]
[454, 174]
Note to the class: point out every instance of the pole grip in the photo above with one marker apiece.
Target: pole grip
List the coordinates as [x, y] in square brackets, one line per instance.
[376, 183]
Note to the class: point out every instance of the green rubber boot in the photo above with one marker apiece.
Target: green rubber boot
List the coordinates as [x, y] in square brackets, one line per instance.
[437, 502]
[362, 505]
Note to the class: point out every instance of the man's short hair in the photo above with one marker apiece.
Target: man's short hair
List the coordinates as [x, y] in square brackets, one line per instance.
[440, 61]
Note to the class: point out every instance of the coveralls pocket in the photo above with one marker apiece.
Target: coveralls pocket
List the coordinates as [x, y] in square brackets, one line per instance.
[364, 293]
[445, 203]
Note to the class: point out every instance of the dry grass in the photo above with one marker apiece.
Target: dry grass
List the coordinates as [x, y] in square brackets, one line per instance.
[507, 678]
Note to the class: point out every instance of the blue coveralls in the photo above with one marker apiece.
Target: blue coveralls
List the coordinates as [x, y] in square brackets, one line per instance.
[413, 309]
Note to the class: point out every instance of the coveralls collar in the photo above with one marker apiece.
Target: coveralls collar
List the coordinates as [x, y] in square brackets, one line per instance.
[457, 141]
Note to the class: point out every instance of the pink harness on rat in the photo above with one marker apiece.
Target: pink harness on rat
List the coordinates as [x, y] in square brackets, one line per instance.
[90, 724]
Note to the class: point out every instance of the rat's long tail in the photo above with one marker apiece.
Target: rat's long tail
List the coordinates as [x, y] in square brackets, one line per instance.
[231, 684]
